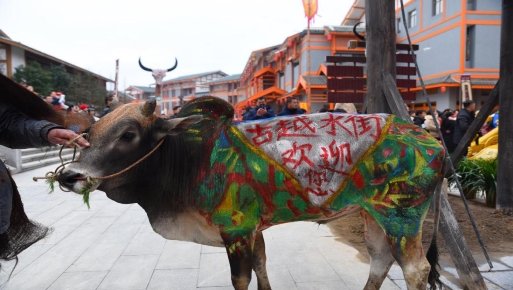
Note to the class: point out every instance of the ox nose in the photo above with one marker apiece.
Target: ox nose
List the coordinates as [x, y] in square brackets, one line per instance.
[68, 179]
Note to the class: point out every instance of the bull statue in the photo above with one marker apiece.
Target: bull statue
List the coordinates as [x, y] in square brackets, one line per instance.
[158, 74]
[221, 183]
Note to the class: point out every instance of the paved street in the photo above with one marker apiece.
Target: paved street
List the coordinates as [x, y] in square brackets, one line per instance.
[112, 246]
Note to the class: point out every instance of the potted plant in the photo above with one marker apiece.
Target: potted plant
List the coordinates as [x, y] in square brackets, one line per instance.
[469, 177]
[488, 170]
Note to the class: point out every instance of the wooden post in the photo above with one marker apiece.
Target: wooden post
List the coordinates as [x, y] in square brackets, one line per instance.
[504, 177]
[158, 109]
[380, 28]
[393, 97]
[467, 269]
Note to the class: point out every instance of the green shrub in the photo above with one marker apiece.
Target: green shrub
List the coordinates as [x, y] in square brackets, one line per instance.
[488, 170]
[469, 177]
[477, 175]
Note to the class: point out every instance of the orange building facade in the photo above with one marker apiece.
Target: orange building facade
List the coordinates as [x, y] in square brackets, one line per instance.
[289, 69]
[456, 38]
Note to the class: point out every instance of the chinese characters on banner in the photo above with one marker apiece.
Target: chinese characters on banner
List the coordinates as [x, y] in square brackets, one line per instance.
[319, 150]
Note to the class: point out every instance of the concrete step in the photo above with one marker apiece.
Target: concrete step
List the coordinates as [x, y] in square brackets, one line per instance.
[46, 161]
[29, 151]
[35, 156]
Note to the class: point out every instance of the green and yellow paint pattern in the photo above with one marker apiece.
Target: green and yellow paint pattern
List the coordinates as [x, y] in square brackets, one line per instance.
[393, 181]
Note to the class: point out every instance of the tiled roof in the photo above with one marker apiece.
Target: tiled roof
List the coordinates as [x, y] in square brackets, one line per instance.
[338, 28]
[313, 30]
[195, 76]
[448, 79]
[5, 39]
[316, 80]
[145, 89]
[226, 79]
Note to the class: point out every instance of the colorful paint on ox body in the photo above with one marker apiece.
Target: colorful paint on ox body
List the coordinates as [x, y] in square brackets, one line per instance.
[390, 172]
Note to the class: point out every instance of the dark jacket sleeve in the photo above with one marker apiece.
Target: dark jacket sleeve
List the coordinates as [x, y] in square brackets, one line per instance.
[253, 114]
[105, 111]
[464, 122]
[270, 113]
[17, 131]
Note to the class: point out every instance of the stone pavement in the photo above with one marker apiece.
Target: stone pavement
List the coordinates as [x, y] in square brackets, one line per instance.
[112, 246]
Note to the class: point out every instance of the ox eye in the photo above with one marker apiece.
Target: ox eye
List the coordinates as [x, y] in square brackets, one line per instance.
[128, 136]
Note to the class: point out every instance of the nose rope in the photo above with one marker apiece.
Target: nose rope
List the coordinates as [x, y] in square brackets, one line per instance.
[52, 176]
[126, 169]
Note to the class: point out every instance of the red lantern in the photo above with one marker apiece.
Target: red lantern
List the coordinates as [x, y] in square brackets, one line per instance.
[442, 89]
[328, 36]
[290, 43]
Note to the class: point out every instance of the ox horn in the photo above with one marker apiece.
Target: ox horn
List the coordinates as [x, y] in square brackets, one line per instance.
[362, 38]
[149, 107]
[143, 67]
[176, 64]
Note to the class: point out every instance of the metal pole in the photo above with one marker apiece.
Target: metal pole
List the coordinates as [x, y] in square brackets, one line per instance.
[116, 80]
[308, 86]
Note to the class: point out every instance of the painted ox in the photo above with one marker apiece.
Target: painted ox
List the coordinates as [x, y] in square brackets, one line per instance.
[220, 183]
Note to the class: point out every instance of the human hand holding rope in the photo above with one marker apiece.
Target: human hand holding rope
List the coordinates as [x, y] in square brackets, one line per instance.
[66, 137]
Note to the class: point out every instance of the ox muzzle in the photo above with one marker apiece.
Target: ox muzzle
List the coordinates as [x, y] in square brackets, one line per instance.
[76, 182]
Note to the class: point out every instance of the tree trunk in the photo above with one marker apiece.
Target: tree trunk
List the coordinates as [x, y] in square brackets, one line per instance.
[504, 176]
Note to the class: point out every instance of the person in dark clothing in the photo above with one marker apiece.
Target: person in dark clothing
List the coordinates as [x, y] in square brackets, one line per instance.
[261, 111]
[447, 128]
[464, 119]
[292, 108]
[17, 132]
[176, 110]
[247, 111]
[108, 101]
[419, 118]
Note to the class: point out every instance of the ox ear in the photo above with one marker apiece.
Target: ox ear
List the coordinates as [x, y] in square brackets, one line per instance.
[178, 125]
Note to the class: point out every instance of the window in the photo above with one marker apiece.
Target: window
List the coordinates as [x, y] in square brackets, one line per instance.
[471, 5]
[295, 73]
[3, 60]
[281, 81]
[437, 7]
[398, 25]
[469, 45]
[412, 19]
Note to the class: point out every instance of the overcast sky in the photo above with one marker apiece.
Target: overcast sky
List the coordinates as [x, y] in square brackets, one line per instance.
[204, 35]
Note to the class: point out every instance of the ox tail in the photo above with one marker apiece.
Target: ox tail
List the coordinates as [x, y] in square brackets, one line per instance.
[432, 253]
[22, 232]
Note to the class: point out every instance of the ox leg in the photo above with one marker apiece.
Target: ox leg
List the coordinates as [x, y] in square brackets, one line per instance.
[413, 262]
[381, 258]
[408, 253]
[259, 260]
[239, 250]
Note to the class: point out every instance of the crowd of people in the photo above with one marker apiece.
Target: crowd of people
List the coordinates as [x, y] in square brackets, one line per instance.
[453, 124]
[57, 100]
